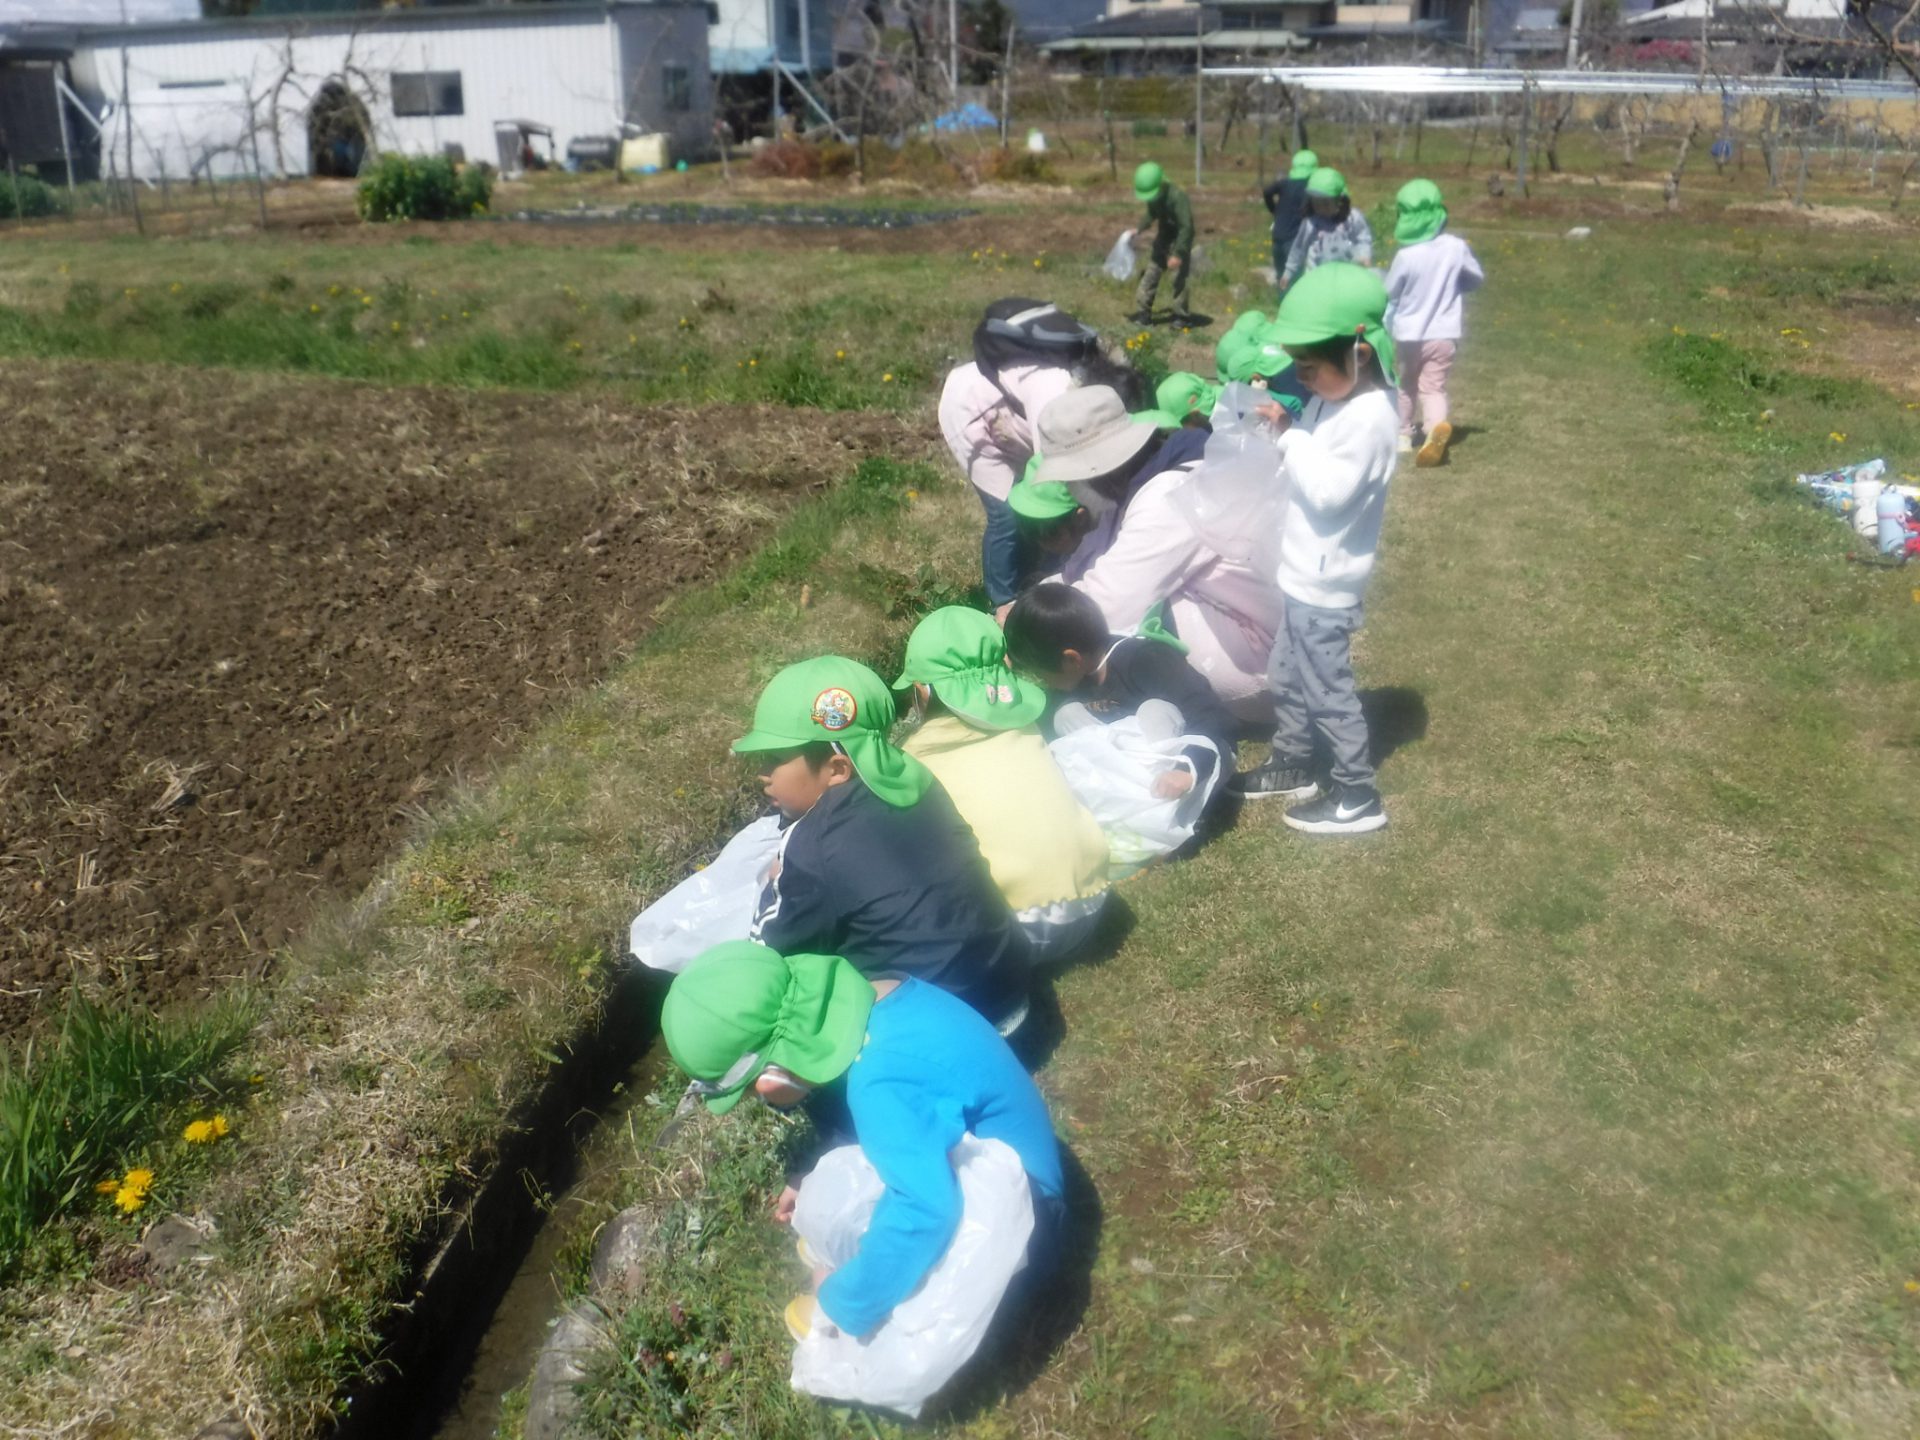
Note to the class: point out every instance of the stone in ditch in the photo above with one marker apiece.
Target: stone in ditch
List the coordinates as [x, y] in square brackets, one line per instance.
[623, 1251]
[551, 1398]
[174, 1241]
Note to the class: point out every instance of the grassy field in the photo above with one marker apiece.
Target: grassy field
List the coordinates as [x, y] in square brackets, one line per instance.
[1580, 1102]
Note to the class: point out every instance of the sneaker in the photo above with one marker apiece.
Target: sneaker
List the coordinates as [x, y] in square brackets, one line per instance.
[1275, 779]
[1434, 452]
[1344, 810]
[1140, 317]
[1406, 444]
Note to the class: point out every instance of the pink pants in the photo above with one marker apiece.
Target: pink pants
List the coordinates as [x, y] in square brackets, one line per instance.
[1423, 371]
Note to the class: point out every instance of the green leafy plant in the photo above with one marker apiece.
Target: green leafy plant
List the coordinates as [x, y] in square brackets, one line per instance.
[405, 187]
[22, 197]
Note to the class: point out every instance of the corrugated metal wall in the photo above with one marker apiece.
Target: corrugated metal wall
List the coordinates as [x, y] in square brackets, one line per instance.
[190, 88]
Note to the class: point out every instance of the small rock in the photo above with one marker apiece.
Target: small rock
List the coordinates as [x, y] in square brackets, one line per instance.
[552, 1398]
[621, 1254]
[1580, 232]
[174, 1241]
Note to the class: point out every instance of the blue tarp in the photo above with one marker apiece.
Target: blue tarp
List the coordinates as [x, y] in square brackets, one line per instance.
[968, 117]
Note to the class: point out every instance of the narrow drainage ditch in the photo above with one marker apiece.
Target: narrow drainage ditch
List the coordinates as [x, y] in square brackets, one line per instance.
[484, 1299]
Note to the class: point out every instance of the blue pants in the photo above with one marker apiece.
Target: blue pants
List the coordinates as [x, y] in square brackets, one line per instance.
[1000, 559]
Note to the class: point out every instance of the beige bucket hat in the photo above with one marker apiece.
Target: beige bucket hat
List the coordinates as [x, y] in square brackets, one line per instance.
[1087, 433]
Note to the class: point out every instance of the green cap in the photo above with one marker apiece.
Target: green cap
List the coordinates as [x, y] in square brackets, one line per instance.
[1263, 355]
[841, 701]
[1247, 321]
[1148, 181]
[1305, 162]
[962, 655]
[1329, 183]
[1423, 214]
[741, 1007]
[1337, 299]
[1042, 500]
[1160, 418]
[1183, 392]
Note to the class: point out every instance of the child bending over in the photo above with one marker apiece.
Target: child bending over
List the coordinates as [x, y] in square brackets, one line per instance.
[1059, 635]
[977, 735]
[876, 864]
[917, 1071]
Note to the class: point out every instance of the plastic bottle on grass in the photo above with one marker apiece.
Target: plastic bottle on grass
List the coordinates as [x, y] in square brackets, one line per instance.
[1891, 511]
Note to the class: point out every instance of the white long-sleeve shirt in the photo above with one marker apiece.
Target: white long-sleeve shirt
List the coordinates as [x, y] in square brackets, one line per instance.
[1338, 459]
[990, 439]
[1425, 283]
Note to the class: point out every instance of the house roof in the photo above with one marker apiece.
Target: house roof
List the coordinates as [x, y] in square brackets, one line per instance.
[187, 29]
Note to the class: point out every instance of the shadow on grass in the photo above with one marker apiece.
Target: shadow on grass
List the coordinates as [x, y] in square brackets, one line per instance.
[1396, 717]
[1039, 1314]
[1045, 1027]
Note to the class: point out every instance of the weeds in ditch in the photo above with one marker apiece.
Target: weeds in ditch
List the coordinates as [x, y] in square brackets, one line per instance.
[74, 1105]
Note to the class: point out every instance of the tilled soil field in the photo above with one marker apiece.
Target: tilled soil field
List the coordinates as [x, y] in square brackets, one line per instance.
[249, 625]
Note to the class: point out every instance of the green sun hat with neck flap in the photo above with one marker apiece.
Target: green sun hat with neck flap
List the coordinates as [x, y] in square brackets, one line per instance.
[1423, 212]
[961, 655]
[1148, 181]
[740, 1007]
[1264, 355]
[1305, 162]
[1334, 300]
[1327, 183]
[1042, 500]
[842, 702]
[1183, 393]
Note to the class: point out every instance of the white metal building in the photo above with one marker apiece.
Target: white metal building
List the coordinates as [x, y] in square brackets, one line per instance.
[303, 94]
[749, 36]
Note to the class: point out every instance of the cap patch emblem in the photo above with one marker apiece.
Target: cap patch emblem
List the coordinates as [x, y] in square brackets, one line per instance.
[834, 709]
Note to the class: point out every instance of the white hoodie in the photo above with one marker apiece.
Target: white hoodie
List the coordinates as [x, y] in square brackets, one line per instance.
[1338, 459]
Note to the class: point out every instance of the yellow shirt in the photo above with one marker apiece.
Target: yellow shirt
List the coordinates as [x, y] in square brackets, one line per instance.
[1041, 844]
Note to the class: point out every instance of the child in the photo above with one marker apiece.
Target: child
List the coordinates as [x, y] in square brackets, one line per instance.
[1338, 460]
[876, 864]
[1426, 281]
[1333, 231]
[917, 1071]
[1188, 398]
[1286, 201]
[1171, 214]
[977, 736]
[1059, 635]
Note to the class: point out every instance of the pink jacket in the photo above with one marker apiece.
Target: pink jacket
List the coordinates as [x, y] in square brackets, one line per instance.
[989, 439]
[1227, 611]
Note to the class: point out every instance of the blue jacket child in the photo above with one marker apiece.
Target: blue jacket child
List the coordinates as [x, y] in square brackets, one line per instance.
[919, 1070]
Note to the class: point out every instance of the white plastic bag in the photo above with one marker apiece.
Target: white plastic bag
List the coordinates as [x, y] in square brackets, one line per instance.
[711, 905]
[1111, 770]
[935, 1330]
[1119, 264]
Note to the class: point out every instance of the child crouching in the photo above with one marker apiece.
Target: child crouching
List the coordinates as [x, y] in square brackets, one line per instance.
[917, 1069]
[977, 736]
[1059, 635]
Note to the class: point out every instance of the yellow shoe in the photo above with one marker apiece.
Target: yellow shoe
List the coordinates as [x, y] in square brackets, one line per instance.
[800, 1314]
[1434, 452]
[805, 1252]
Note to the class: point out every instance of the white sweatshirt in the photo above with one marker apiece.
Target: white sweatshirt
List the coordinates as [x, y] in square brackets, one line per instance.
[1425, 284]
[1338, 459]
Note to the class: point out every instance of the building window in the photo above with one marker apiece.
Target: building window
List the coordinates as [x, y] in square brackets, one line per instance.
[676, 81]
[428, 92]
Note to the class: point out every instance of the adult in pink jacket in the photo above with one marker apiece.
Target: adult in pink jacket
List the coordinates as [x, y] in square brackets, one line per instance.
[1196, 540]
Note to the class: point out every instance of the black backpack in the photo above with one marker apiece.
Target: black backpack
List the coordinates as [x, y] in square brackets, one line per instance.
[1017, 331]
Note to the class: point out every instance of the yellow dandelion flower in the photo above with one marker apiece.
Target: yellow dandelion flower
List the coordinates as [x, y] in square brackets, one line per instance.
[175, 288]
[200, 1132]
[333, 289]
[220, 1126]
[141, 1180]
[1838, 437]
[466, 314]
[313, 309]
[256, 1079]
[574, 345]
[913, 494]
[633, 339]
[131, 292]
[1790, 331]
[839, 354]
[444, 317]
[887, 379]
[395, 327]
[1913, 1287]
[753, 364]
[1678, 331]
[128, 1199]
[366, 299]
[106, 1187]
[1036, 264]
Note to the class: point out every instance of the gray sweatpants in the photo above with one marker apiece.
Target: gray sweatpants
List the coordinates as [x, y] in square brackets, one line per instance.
[1311, 675]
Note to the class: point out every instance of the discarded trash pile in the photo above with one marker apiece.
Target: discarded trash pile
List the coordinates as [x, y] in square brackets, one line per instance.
[1887, 516]
[844, 217]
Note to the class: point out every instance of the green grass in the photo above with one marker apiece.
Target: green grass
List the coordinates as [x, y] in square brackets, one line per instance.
[92, 1098]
